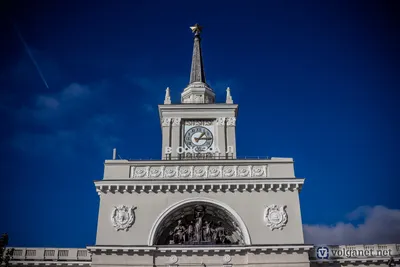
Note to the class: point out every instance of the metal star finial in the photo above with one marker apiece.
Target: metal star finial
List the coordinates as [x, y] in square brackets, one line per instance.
[196, 29]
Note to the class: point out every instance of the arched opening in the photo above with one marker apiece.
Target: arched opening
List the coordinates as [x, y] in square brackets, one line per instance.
[199, 221]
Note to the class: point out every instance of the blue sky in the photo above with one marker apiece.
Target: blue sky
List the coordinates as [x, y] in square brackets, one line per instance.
[315, 80]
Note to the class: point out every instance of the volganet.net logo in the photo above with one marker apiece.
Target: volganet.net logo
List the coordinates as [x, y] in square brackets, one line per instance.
[324, 252]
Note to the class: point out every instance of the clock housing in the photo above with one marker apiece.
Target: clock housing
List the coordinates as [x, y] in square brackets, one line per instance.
[199, 136]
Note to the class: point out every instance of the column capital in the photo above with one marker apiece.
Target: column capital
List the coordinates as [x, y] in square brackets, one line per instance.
[176, 121]
[166, 122]
[221, 121]
[231, 122]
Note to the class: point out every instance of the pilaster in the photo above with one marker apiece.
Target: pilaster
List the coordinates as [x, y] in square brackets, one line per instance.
[231, 135]
[221, 137]
[166, 130]
[176, 136]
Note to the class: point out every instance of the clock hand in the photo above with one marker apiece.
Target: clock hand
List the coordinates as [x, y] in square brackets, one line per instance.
[205, 138]
[198, 138]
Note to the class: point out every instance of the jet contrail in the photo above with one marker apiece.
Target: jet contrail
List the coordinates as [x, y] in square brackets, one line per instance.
[30, 55]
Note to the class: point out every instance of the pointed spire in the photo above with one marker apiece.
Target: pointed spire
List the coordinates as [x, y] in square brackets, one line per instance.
[229, 99]
[197, 72]
[198, 91]
[167, 99]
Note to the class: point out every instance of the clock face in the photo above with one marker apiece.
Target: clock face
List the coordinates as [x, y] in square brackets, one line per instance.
[199, 138]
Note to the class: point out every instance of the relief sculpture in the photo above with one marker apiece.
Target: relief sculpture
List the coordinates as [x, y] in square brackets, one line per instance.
[199, 231]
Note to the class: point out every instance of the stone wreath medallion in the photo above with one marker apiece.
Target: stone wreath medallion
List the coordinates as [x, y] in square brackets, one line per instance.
[123, 217]
[226, 259]
[275, 216]
[173, 259]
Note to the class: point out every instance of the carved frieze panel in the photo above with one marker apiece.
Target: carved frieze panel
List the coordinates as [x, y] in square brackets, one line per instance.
[230, 171]
[214, 171]
[141, 172]
[198, 122]
[259, 171]
[186, 171]
[171, 172]
[200, 171]
[244, 171]
[156, 172]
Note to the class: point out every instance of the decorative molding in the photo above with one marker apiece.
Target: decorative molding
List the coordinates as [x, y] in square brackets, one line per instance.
[226, 259]
[192, 171]
[176, 121]
[200, 186]
[277, 249]
[123, 217]
[220, 121]
[166, 122]
[275, 216]
[173, 259]
[198, 122]
[231, 121]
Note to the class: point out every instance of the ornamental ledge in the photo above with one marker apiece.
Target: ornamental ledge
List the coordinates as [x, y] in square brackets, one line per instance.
[200, 162]
[354, 260]
[184, 249]
[200, 187]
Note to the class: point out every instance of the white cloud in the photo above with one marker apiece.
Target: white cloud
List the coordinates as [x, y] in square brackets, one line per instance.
[380, 225]
[74, 90]
[65, 120]
[54, 107]
[47, 102]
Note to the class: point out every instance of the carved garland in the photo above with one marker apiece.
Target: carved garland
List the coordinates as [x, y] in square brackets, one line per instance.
[258, 171]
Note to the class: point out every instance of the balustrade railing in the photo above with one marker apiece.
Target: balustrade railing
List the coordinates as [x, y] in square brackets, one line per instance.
[48, 254]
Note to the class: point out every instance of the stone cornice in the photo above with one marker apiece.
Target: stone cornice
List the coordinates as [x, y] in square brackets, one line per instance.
[352, 261]
[83, 256]
[188, 106]
[201, 249]
[160, 186]
[211, 162]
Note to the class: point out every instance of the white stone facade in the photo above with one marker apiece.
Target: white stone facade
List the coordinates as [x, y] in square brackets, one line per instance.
[185, 211]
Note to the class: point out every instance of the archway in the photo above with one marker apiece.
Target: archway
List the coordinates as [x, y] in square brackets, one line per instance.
[199, 221]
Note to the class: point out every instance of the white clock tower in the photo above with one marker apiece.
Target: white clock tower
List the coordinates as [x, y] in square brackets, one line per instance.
[199, 205]
[198, 127]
